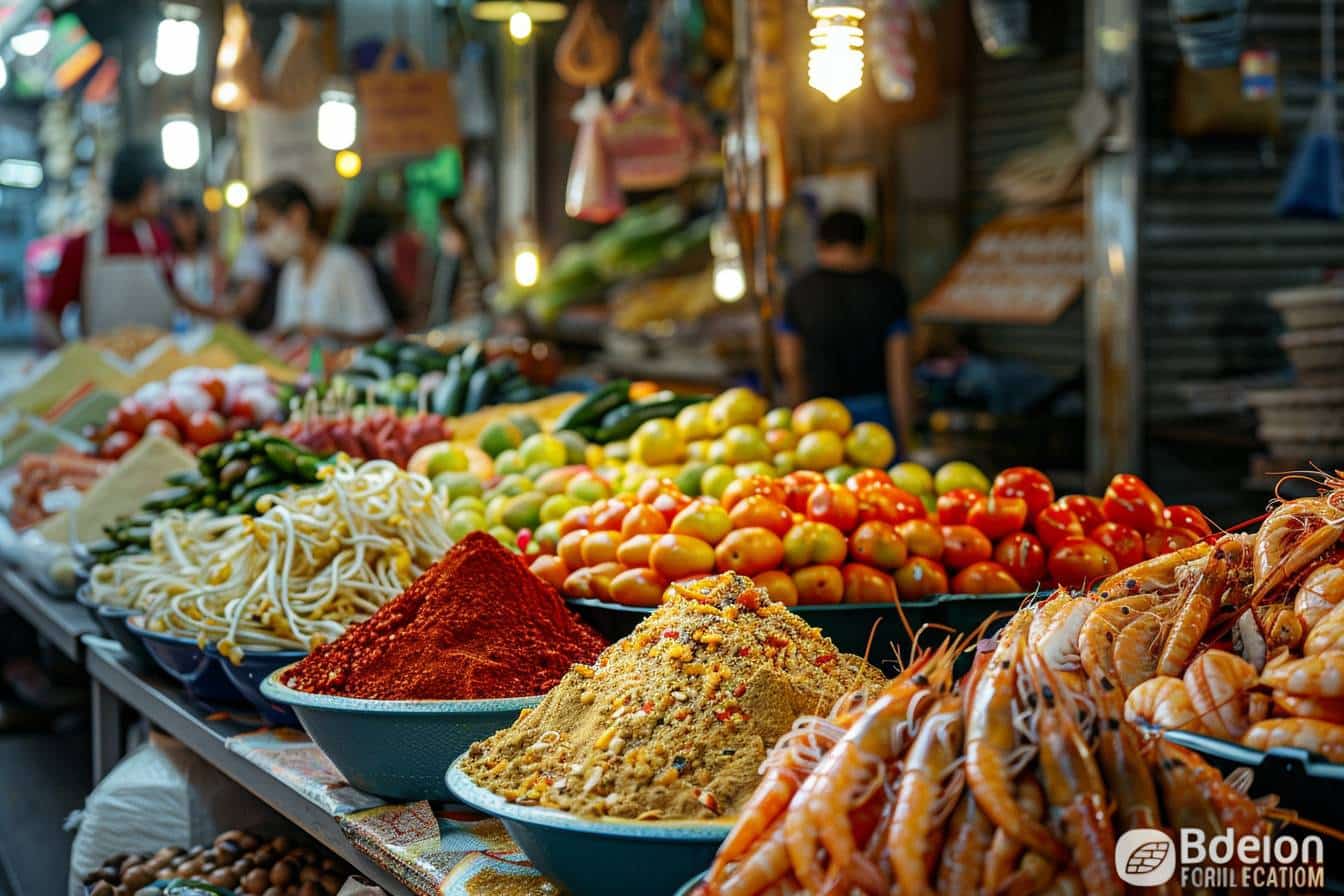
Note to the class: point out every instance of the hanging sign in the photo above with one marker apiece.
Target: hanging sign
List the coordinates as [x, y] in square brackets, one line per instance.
[279, 143]
[1021, 268]
[405, 113]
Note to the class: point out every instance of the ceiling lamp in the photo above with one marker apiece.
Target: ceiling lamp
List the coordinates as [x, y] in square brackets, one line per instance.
[236, 194]
[521, 15]
[181, 140]
[178, 40]
[835, 63]
[337, 120]
[32, 40]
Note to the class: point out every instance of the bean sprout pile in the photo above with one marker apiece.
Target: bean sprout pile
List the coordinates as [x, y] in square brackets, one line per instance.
[314, 562]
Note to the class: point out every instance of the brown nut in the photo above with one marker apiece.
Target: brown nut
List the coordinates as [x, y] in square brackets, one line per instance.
[223, 877]
[331, 883]
[310, 888]
[243, 865]
[273, 891]
[282, 874]
[249, 841]
[308, 872]
[190, 868]
[264, 857]
[195, 851]
[137, 877]
[256, 881]
[102, 888]
[281, 844]
[167, 873]
[234, 834]
[130, 862]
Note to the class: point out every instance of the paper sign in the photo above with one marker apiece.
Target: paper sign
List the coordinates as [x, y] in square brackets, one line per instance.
[280, 143]
[1021, 268]
[405, 113]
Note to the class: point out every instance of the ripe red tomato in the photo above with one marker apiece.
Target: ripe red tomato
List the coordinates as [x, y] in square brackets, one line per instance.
[919, 578]
[964, 545]
[752, 485]
[1086, 508]
[163, 428]
[1164, 541]
[833, 504]
[955, 505]
[889, 504]
[1056, 523]
[864, 478]
[117, 444]
[130, 415]
[215, 388]
[798, 485]
[1024, 558]
[1188, 516]
[1129, 500]
[985, 577]
[1076, 561]
[998, 515]
[1122, 541]
[866, 585]
[1028, 483]
[206, 427]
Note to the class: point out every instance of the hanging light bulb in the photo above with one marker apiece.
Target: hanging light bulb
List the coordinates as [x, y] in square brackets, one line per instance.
[236, 194]
[520, 26]
[526, 264]
[349, 164]
[31, 41]
[520, 16]
[177, 41]
[337, 120]
[835, 63]
[730, 279]
[181, 140]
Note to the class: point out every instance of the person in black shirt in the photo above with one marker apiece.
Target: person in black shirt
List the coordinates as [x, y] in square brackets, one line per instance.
[844, 331]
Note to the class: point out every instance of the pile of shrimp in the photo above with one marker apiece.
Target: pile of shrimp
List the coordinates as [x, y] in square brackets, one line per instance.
[1018, 778]
[1242, 639]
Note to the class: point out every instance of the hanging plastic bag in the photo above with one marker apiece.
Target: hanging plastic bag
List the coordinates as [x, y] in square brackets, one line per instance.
[647, 133]
[295, 72]
[591, 192]
[238, 81]
[1314, 187]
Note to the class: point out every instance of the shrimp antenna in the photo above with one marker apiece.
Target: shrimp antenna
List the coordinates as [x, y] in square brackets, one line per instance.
[1288, 817]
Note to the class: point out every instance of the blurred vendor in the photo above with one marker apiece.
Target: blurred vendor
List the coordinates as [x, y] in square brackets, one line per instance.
[326, 291]
[844, 329]
[120, 272]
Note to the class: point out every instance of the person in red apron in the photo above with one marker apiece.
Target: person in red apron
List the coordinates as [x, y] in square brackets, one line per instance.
[120, 272]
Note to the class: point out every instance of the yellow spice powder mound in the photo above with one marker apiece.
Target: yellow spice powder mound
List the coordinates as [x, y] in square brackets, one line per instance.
[673, 721]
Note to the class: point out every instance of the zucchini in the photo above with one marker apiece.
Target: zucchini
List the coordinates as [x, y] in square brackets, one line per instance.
[479, 390]
[590, 411]
[449, 394]
[622, 422]
[472, 357]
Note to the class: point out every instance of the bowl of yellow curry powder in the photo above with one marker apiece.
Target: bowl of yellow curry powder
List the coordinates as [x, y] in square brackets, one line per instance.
[628, 774]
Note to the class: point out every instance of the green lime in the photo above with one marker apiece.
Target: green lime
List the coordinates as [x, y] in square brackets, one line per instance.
[688, 479]
[448, 459]
[526, 424]
[467, 502]
[524, 511]
[500, 436]
[505, 536]
[547, 536]
[576, 446]
[494, 509]
[513, 485]
[509, 462]
[555, 507]
[587, 488]
[543, 450]
[715, 481]
[463, 522]
[841, 473]
[458, 484]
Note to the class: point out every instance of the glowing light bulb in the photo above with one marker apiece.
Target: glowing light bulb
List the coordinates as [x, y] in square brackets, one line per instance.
[212, 199]
[181, 143]
[226, 93]
[349, 164]
[730, 281]
[175, 47]
[236, 194]
[337, 121]
[520, 26]
[32, 41]
[835, 63]
[526, 265]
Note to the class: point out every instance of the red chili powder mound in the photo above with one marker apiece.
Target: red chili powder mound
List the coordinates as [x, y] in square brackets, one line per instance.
[478, 624]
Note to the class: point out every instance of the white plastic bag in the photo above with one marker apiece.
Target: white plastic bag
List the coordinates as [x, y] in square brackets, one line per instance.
[160, 795]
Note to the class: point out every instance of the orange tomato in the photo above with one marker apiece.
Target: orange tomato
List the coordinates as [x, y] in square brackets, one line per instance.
[609, 514]
[833, 504]
[600, 547]
[1076, 561]
[1022, 555]
[576, 518]
[919, 578]
[865, 585]
[954, 506]
[1027, 483]
[1056, 523]
[864, 478]
[579, 584]
[752, 485]
[1130, 501]
[811, 542]
[1123, 541]
[819, 585]
[758, 510]
[679, 556]
[1086, 508]
[964, 545]
[551, 570]
[922, 538]
[570, 549]
[985, 577]
[634, 551]
[877, 544]
[704, 519]
[669, 505]
[889, 504]
[798, 485]
[653, 487]
[642, 520]
[997, 515]
[1188, 516]
[749, 551]
[601, 576]
[779, 585]
[638, 587]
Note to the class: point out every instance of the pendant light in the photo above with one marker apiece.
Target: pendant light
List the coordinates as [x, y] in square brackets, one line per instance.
[835, 63]
[522, 16]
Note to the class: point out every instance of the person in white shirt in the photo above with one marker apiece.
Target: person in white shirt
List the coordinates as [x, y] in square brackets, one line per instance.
[326, 291]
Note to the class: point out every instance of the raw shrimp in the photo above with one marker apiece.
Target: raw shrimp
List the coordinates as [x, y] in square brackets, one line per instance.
[1321, 675]
[1057, 643]
[1293, 536]
[1313, 735]
[1280, 626]
[765, 865]
[1009, 868]
[1183, 799]
[1155, 576]
[1162, 702]
[1096, 640]
[1073, 783]
[1327, 634]
[1319, 593]
[931, 759]
[1218, 685]
[991, 737]
[1138, 646]
[1203, 597]
[1327, 709]
[969, 834]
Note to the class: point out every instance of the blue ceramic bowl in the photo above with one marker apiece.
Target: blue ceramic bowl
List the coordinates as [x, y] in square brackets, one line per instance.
[199, 672]
[600, 857]
[84, 598]
[248, 675]
[395, 749]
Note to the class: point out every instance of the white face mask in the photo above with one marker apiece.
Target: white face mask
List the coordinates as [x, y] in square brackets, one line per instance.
[280, 242]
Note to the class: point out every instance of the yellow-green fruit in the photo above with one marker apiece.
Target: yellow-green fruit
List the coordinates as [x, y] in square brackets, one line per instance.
[553, 482]
[656, 442]
[513, 485]
[494, 509]
[715, 481]
[523, 511]
[547, 536]
[499, 436]
[778, 418]
[870, 445]
[914, 478]
[839, 474]
[698, 450]
[688, 478]
[509, 462]
[587, 488]
[505, 536]
[754, 468]
[464, 522]
[743, 444]
[820, 450]
[467, 502]
[543, 450]
[717, 452]
[555, 507]
[960, 474]
[458, 484]
[448, 459]
[693, 421]
[527, 425]
[576, 446]
[735, 406]
[536, 471]
[617, 450]
[822, 413]
[784, 462]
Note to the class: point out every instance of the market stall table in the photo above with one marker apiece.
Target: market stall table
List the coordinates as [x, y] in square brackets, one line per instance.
[62, 622]
[116, 685]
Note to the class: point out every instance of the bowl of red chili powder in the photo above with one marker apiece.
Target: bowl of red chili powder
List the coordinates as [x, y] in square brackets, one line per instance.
[453, 659]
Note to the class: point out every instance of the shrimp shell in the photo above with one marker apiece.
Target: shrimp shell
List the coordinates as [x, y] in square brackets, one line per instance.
[1281, 626]
[1154, 576]
[910, 843]
[1313, 735]
[1058, 642]
[1321, 675]
[1162, 702]
[1138, 645]
[1218, 685]
[1319, 593]
[1327, 634]
[1327, 709]
[969, 835]
[1096, 640]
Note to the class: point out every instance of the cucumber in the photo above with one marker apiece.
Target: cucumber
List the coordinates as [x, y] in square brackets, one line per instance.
[169, 498]
[382, 350]
[370, 367]
[479, 390]
[185, 477]
[590, 411]
[449, 394]
[247, 502]
[306, 467]
[622, 422]
[472, 357]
